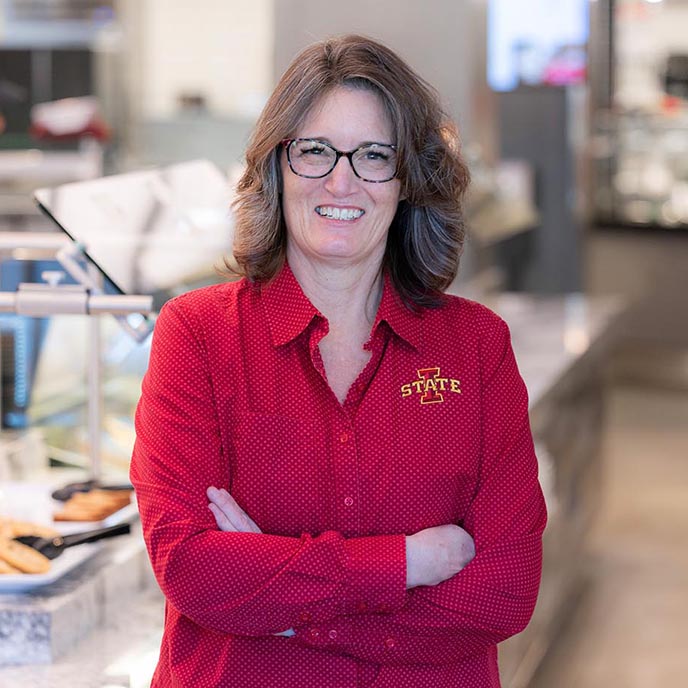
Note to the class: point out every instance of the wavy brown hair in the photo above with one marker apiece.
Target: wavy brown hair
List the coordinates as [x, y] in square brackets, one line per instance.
[426, 237]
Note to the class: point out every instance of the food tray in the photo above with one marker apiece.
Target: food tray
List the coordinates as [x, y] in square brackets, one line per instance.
[70, 559]
[28, 501]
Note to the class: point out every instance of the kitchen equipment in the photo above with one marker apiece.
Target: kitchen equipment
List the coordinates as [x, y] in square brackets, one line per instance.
[55, 546]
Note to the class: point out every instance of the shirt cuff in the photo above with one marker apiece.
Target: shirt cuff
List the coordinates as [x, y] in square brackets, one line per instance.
[375, 574]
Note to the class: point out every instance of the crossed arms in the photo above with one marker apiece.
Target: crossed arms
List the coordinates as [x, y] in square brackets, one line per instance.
[217, 569]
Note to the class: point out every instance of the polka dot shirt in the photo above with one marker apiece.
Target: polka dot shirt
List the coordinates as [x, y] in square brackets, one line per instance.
[434, 430]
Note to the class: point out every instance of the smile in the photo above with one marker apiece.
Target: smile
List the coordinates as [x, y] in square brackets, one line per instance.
[339, 213]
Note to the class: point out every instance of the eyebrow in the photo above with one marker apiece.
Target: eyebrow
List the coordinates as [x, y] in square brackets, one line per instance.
[324, 139]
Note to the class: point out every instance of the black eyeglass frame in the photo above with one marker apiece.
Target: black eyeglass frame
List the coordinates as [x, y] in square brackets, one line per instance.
[287, 143]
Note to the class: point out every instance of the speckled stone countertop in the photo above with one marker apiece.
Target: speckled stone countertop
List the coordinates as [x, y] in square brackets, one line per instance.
[120, 654]
[42, 624]
[549, 335]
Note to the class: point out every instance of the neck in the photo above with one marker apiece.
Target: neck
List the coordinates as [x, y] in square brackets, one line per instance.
[343, 294]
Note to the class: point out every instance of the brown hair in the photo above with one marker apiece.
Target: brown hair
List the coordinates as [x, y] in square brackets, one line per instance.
[426, 236]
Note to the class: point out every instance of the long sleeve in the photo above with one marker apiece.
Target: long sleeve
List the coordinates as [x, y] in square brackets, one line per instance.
[494, 596]
[238, 583]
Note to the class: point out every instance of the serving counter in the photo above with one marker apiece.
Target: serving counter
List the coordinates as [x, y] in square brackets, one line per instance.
[562, 345]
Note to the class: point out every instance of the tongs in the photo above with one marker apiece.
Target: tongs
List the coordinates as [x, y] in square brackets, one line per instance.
[64, 493]
[54, 546]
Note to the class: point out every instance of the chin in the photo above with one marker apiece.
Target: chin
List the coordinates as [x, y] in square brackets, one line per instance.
[336, 249]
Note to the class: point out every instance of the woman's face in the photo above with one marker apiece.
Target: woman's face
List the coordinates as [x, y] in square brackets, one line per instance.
[345, 118]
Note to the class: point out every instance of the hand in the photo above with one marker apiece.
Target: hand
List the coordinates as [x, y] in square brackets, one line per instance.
[436, 554]
[229, 516]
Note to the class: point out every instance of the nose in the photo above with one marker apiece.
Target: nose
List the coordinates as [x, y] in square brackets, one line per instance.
[342, 179]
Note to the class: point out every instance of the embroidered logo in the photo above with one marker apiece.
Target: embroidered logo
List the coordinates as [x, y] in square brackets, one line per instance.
[430, 385]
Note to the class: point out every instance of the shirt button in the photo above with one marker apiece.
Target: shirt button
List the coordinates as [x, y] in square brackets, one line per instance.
[344, 437]
[332, 634]
[348, 501]
[361, 606]
[390, 643]
[314, 632]
[305, 617]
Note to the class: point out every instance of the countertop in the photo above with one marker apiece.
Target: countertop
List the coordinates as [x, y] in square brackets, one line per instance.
[120, 654]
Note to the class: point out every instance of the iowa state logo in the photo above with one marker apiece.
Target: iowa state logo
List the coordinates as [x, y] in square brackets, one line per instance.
[431, 386]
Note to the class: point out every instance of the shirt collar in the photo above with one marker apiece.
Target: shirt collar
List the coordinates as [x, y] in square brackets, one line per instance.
[289, 312]
[404, 322]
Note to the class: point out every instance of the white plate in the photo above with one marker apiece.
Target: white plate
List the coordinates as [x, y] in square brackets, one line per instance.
[28, 501]
[71, 558]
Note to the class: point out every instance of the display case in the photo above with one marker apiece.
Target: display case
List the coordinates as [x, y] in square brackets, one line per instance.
[640, 168]
[638, 175]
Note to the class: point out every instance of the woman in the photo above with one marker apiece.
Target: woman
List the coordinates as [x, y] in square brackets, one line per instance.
[333, 463]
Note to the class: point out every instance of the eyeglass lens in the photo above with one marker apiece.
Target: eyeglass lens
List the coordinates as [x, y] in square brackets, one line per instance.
[374, 162]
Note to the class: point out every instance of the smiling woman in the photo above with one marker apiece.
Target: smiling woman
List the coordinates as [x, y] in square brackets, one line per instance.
[426, 235]
[333, 463]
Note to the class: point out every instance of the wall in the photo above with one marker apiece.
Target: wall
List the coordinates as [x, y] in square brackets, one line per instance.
[220, 48]
[444, 40]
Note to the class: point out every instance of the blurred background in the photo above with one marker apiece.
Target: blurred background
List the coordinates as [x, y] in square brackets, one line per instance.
[574, 121]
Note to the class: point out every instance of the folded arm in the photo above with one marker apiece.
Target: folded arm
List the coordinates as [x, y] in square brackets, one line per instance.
[433, 555]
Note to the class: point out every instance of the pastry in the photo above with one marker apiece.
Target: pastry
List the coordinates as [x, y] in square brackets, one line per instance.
[23, 557]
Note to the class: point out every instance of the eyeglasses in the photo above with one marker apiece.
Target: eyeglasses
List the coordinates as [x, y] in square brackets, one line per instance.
[313, 159]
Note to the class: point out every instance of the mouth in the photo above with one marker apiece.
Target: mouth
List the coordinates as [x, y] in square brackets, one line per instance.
[336, 213]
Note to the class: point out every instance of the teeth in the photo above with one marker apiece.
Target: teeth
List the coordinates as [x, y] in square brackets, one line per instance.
[338, 213]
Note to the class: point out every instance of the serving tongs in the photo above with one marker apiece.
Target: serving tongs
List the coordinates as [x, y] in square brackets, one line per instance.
[54, 546]
[62, 494]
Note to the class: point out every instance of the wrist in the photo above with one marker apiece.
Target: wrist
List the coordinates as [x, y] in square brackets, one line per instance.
[411, 581]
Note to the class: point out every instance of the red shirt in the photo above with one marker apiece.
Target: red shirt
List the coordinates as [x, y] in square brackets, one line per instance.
[434, 430]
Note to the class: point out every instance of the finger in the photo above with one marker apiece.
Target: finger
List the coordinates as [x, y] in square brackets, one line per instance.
[247, 524]
[237, 515]
[241, 521]
[223, 523]
[227, 507]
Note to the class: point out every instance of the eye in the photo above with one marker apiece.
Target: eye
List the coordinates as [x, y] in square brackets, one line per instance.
[311, 149]
[375, 154]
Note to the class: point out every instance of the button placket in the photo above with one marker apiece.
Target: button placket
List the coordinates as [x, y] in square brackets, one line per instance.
[346, 474]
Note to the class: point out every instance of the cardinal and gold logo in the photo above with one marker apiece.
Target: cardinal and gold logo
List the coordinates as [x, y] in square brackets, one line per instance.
[430, 386]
